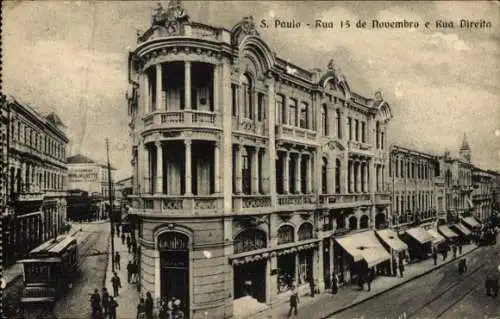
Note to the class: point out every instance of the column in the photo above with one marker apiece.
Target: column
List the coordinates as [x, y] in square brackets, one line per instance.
[187, 86]
[226, 146]
[271, 149]
[298, 174]
[159, 168]
[145, 93]
[371, 179]
[358, 176]
[159, 104]
[365, 177]
[286, 172]
[215, 89]
[238, 168]
[216, 168]
[309, 174]
[330, 176]
[255, 171]
[255, 105]
[188, 177]
[318, 265]
[355, 175]
[349, 176]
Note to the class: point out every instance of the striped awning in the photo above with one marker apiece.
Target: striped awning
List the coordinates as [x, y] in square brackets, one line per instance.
[364, 246]
[447, 232]
[438, 238]
[462, 229]
[471, 221]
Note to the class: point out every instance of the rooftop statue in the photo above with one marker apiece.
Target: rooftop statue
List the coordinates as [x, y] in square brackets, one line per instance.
[170, 18]
[248, 26]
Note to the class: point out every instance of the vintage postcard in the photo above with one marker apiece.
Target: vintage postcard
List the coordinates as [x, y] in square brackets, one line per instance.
[250, 159]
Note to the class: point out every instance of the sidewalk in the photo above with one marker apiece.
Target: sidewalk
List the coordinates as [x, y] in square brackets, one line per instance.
[15, 271]
[128, 297]
[327, 304]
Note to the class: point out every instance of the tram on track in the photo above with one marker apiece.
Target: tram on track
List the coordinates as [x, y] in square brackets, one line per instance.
[49, 270]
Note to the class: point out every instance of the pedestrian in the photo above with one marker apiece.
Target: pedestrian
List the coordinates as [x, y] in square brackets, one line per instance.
[118, 230]
[454, 249]
[141, 314]
[312, 286]
[335, 283]
[434, 255]
[401, 268]
[294, 303]
[369, 279]
[123, 238]
[360, 281]
[116, 283]
[112, 308]
[460, 248]
[130, 269]
[148, 306]
[95, 303]
[135, 270]
[163, 311]
[134, 246]
[394, 267]
[117, 260]
[105, 301]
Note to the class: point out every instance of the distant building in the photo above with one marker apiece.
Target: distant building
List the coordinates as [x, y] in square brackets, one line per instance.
[483, 193]
[34, 175]
[88, 175]
[123, 188]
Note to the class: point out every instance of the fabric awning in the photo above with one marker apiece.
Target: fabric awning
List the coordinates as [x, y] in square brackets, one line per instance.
[471, 221]
[447, 232]
[438, 238]
[462, 229]
[420, 235]
[390, 237]
[365, 246]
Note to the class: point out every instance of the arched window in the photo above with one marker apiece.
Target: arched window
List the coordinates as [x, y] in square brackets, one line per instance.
[339, 123]
[286, 234]
[353, 223]
[338, 167]
[305, 231]
[324, 176]
[340, 222]
[324, 119]
[363, 222]
[246, 84]
[250, 239]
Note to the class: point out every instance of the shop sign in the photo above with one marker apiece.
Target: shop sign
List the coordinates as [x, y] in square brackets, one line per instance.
[172, 241]
[249, 240]
[285, 234]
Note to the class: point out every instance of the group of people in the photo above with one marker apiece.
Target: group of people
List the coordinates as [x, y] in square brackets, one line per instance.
[171, 309]
[103, 305]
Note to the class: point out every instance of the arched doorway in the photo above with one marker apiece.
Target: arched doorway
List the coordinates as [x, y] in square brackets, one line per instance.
[250, 277]
[174, 267]
[380, 220]
[363, 222]
[353, 223]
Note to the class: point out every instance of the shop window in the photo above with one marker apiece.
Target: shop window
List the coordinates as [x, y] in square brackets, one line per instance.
[285, 234]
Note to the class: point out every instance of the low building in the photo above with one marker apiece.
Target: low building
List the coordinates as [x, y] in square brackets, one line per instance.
[123, 188]
[36, 178]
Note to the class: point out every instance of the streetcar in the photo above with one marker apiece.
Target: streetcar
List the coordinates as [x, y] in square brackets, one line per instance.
[49, 270]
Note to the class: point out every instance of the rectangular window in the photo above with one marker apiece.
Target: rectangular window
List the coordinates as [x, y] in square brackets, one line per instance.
[292, 112]
[349, 124]
[261, 114]
[382, 140]
[363, 132]
[356, 129]
[234, 92]
[304, 116]
[280, 105]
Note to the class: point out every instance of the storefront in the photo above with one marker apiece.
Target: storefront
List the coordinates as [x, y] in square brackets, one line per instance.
[439, 242]
[359, 253]
[392, 243]
[471, 222]
[464, 234]
[419, 242]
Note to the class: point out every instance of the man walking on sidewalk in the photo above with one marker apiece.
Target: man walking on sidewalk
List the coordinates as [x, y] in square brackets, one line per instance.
[434, 255]
[294, 302]
[123, 238]
[454, 247]
[130, 269]
[401, 267]
[117, 260]
[128, 243]
[116, 283]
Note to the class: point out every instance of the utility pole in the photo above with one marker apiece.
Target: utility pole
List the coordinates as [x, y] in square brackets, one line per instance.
[111, 211]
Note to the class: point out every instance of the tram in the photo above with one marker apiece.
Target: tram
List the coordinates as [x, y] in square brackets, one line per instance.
[49, 270]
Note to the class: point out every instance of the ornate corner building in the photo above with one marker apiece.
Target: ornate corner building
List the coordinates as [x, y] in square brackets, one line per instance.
[34, 177]
[245, 166]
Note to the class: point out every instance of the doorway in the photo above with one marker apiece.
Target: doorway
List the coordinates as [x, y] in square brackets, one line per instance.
[250, 280]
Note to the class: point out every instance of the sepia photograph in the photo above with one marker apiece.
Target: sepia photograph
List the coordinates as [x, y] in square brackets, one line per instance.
[250, 159]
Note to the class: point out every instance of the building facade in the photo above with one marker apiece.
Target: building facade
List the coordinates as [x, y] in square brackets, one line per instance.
[483, 193]
[417, 194]
[36, 179]
[245, 166]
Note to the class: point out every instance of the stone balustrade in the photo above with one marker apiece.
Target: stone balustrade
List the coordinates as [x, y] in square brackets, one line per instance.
[182, 118]
[242, 203]
[295, 134]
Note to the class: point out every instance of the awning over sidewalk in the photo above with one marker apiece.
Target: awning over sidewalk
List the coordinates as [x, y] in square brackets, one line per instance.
[471, 222]
[390, 237]
[447, 232]
[438, 238]
[420, 235]
[462, 229]
[365, 246]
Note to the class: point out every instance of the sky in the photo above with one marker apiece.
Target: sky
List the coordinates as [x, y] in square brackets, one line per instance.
[71, 57]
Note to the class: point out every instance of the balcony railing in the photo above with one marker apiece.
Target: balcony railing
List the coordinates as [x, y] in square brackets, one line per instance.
[296, 199]
[248, 202]
[30, 196]
[249, 126]
[357, 145]
[295, 133]
[326, 199]
[183, 118]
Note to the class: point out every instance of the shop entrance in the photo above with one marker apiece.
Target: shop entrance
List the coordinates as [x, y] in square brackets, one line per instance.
[286, 272]
[326, 263]
[174, 268]
[250, 280]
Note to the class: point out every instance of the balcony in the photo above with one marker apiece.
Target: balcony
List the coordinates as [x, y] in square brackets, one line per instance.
[25, 197]
[382, 198]
[296, 134]
[249, 126]
[297, 200]
[173, 205]
[344, 199]
[243, 203]
[358, 146]
[182, 119]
